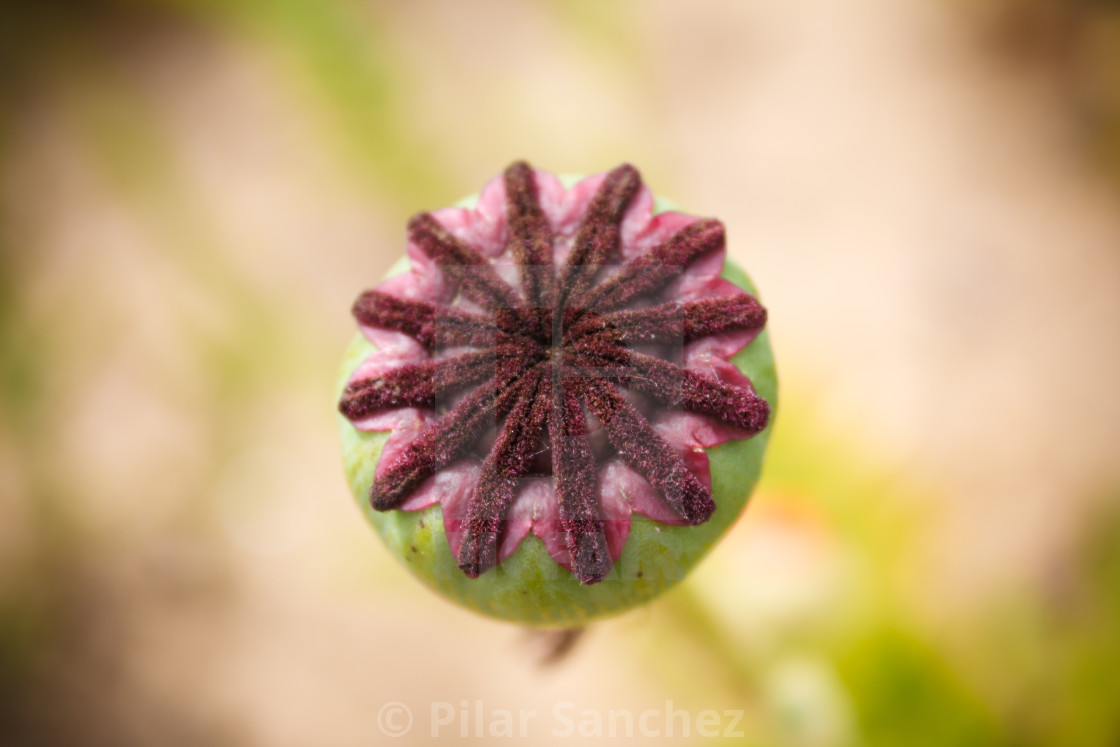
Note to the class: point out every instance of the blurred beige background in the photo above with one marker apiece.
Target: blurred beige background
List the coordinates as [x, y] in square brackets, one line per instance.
[925, 193]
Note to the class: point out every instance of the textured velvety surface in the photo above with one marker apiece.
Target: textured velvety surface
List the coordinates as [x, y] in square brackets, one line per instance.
[529, 585]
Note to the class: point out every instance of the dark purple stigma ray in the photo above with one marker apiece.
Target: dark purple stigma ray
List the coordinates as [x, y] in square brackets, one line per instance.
[477, 278]
[509, 460]
[648, 272]
[646, 452]
[432, 325]
[682, 323]
[530, 237]
[599, 233]
[543, 353]
[445, 441]
[573, 468]
[415, 384]
[425, 383]
[678, 387]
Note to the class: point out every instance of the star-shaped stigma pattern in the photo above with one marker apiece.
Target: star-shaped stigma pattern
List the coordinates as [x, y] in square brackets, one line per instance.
[553, 364]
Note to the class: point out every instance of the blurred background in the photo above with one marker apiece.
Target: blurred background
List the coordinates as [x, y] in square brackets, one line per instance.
[193, 191]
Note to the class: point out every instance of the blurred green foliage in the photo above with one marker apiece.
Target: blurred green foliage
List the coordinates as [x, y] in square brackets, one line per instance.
[1028, 668]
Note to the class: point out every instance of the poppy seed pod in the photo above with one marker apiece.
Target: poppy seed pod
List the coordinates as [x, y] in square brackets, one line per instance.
[561, 400]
